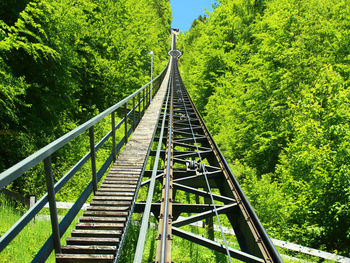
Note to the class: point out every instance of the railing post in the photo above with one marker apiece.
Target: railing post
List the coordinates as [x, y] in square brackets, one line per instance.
[32, 203]
[138, 120]
[143, 102]
[93, 158]
[52, 205]
[113, 137]
[146, 98]
[133, 112]
[126, 122]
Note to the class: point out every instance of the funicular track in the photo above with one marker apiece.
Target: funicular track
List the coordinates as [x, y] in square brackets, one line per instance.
[192, 163]
[175, 146]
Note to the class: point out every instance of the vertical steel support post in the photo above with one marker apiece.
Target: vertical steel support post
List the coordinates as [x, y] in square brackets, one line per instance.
[147, 97]
[93, 158]
[126, 122]
[143, 102]
[133, 113]
[138, 121]
[114, 153]
[151, 78]
[52, 205]
[150, 97]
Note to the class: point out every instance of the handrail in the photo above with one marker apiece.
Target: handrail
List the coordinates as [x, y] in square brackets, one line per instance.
[21, 167]
[44, 154]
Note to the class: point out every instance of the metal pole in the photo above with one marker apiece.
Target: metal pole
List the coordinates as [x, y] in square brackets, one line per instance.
[133, 109]
[113, 137]
[93, 158]
[32, 203]
[150, 99]
[138, 121]
[126, 123]
[143, 101]
[52, 205]
[147, 96]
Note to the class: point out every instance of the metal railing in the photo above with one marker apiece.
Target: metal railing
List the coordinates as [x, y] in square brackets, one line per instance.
[140, 101]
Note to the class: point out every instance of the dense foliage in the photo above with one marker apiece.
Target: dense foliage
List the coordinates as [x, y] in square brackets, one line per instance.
[63, 61]
[272, 81]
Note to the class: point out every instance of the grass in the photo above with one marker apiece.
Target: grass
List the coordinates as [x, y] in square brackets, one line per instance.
[28, 242]
[26, 245]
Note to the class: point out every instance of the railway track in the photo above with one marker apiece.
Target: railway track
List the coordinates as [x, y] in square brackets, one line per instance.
[170, 155]
[192, 163]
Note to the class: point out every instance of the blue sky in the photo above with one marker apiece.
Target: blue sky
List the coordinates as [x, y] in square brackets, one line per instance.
[185, 11]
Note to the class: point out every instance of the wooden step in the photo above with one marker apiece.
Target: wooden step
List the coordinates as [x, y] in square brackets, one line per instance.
[106, 213]
[104, 241]
[123, 174]
[96, 233]
[107, 208]
[89, 249]
[122, 177]
[110, 187]
[102, 226]
[125, 169]
[86, 258]
[119, 182]
[115, 193]
[112, 198]
[110, 203]
[116, 189]
[111, 219]
[117, 185]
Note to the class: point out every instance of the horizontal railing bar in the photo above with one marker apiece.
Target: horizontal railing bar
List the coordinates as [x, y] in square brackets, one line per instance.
[21, 167]
[47, 248]
[30, 214]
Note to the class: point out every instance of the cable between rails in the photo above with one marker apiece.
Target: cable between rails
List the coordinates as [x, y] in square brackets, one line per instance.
[206, 178]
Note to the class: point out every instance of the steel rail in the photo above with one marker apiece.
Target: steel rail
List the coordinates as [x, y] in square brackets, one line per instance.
[206, 179]
[147, 210]
[168, 167]
[124, 235]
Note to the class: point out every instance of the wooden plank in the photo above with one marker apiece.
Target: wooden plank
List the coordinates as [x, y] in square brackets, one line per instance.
[104, 226]
[112, 198]
[89, 249]
[87, 258]
[108, 208]
[104, 241]
[96, 233]
[110, 203]
[86, 219]
[115, 193]
[106, 213]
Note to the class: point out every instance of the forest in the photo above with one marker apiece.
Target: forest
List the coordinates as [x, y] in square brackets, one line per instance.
[271, 79]
[62, 62]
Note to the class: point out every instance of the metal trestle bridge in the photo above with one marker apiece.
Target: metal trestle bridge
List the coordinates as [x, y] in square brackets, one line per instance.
[170, 168]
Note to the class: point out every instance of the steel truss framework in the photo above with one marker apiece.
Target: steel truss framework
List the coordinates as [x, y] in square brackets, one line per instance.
[192, 163]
